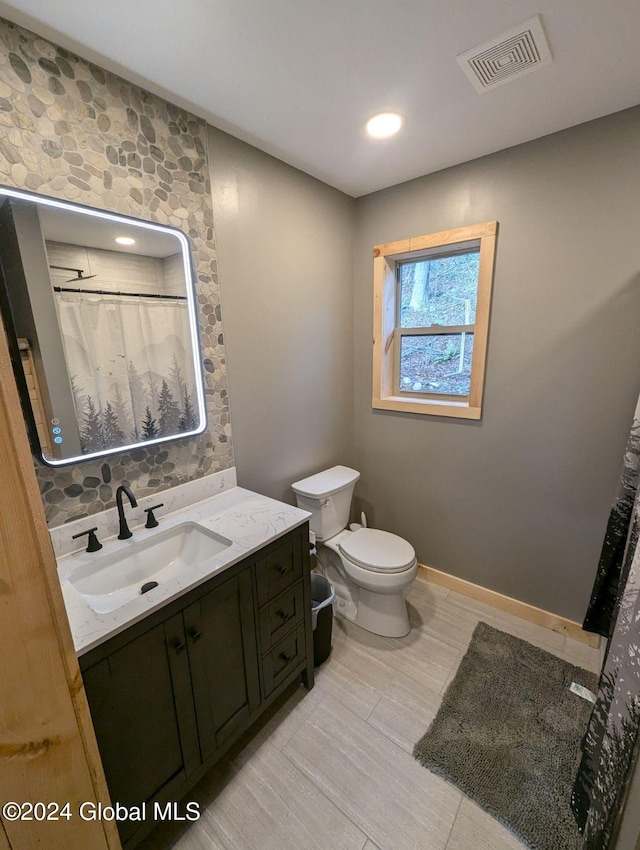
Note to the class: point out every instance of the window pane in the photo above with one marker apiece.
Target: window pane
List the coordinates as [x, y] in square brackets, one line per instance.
[436, 364]
[440, 291]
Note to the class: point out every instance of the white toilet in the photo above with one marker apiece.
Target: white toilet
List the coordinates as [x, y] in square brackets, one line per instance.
[374, 567]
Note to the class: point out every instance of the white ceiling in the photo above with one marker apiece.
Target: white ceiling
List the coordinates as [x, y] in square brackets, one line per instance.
[298, 78]
[77, 228]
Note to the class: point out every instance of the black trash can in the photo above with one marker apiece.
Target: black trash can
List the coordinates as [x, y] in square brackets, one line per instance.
[322, 595]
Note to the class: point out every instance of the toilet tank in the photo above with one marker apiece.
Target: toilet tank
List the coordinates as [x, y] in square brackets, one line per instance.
[327, 496]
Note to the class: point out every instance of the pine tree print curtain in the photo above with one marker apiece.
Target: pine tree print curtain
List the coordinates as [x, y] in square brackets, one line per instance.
[132, 375]
[609, 749]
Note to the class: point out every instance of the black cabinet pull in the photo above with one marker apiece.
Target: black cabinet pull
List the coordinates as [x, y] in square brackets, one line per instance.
[195, 635]
[282, 570]
[179, 646]
[286, 658]
[283, 616]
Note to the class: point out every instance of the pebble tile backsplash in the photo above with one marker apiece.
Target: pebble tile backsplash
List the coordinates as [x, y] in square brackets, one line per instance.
[72, 130]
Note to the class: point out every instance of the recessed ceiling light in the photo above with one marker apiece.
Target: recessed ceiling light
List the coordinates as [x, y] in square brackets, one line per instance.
[125, 240]
[384, 125]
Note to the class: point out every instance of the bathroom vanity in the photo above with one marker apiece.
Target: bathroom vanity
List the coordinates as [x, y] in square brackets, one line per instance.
[171, 691]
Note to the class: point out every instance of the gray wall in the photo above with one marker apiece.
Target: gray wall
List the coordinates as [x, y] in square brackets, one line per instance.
[519, 501]
[286, 272]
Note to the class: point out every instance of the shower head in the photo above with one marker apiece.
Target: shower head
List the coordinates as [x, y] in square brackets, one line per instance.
[80, 275]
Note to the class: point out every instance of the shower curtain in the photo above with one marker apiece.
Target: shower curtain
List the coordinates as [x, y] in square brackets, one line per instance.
[610, 746]
[130, 364]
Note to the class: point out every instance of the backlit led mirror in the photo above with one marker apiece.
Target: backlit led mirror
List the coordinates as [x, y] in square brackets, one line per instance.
[100, 314]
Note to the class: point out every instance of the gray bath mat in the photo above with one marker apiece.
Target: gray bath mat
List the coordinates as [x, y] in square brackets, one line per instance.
[508, 734]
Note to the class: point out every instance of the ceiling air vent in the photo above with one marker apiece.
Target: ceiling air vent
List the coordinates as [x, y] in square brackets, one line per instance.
[512, 54]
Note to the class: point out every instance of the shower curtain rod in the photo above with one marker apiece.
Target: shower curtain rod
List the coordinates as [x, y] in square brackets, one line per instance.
[112, 292]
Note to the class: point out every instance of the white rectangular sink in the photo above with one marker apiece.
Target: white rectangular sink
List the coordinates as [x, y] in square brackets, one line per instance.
[113, 580]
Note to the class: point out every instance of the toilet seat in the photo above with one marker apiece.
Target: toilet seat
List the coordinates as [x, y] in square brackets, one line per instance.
[377, 551]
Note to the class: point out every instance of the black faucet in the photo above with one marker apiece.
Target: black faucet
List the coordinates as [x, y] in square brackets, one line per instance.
[125, 534]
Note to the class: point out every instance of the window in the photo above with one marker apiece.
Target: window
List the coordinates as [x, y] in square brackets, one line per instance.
[431, 319]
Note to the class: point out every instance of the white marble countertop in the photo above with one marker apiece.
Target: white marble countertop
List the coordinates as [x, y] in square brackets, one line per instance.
[245, 518]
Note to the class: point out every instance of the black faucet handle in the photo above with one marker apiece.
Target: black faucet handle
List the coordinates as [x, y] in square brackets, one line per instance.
[152, 522]
[93, 544]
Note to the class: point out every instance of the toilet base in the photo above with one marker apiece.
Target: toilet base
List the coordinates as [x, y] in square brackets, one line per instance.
[381, 613]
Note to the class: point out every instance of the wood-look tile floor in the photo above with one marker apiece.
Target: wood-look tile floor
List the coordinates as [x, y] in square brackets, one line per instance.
[331, 769]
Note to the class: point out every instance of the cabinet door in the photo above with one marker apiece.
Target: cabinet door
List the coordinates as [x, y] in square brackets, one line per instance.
[221, 638]
[132, 704]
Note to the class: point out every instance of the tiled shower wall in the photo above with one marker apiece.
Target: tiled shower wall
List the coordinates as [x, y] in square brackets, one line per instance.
[71, 130]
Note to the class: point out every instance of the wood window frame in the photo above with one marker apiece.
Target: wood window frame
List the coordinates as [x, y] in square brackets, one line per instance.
[386, 338]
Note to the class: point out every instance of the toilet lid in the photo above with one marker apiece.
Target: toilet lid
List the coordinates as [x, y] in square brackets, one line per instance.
[378, 550]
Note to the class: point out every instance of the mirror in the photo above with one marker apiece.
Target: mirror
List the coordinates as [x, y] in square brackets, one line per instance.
[100, 314]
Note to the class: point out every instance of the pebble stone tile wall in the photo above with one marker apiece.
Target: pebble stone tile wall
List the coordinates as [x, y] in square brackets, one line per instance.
[71, 130]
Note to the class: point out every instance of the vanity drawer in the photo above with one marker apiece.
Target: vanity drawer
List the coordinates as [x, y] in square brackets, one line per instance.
[278, 617]
[283, 658]
[278, 570]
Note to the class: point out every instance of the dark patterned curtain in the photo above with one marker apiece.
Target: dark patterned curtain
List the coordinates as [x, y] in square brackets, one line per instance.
[609, 582]
[610, 746]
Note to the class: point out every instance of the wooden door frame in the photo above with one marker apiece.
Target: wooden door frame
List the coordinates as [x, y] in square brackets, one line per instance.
[48, 749]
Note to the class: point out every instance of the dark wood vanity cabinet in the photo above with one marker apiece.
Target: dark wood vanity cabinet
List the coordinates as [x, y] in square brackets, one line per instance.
[170, 694]
[221, 640]
[137, 723]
